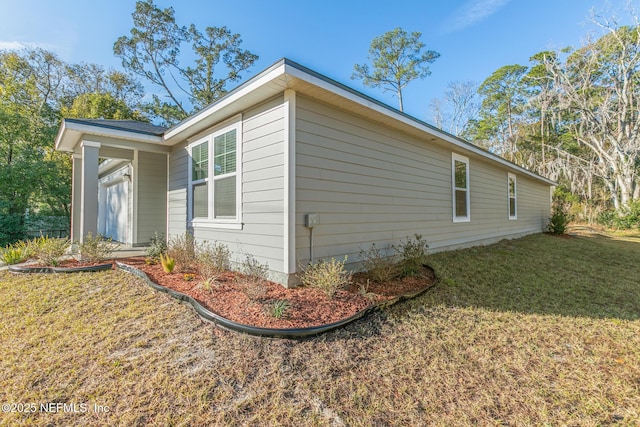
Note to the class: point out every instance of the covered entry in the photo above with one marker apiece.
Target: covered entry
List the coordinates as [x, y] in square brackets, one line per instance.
[119, 183]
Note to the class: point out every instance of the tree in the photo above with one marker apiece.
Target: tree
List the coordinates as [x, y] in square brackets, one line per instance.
[600, 84]
[27, 127]
[82, 79]
[504, 97]
[397, 58]
[457, 108]
[153, 51]
[103, 105]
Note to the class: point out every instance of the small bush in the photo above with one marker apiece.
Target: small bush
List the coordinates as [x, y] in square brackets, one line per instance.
[328, 276]
[157, 246]
[560, 218]
[255, 271]
[96, 249]
[256, 274]
[413, 254]
[12, 255]
[625, 219]
[168, 263]
[379, 268]
[48, 250]
[213, 259]
[183, 250]
[209, 284]
[559, 221]
[279, 308]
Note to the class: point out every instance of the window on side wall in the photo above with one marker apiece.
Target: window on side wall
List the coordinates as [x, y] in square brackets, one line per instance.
[214, 172]
[460, 188]
[512, 196]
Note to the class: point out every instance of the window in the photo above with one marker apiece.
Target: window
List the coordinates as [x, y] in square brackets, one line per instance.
[200, 180]
[214, 185]
[511, 195]
[460, 181]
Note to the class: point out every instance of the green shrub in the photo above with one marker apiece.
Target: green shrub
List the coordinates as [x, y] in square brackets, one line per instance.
[559, 221]
[168, 263]
[183, 250]
[48, 250]
[626, 218]
[157, 246]
[328, 276]
[379, 268]
[413, 254]
[279, 308]
[12, 255]
[96, 249]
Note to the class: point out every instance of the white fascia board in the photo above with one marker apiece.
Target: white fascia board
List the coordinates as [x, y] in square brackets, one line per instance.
[380, 108]
[70, 133]
[271, 74]
[114, 133]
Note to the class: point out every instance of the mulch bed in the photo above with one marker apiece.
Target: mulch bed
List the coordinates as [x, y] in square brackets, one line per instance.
[235, 297]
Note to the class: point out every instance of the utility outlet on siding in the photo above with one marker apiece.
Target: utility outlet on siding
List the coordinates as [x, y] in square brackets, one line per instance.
[311, 220]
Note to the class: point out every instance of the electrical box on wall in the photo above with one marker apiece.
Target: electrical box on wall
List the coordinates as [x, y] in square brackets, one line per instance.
[311, 220]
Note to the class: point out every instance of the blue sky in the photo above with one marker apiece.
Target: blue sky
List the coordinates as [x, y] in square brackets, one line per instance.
[474, 37]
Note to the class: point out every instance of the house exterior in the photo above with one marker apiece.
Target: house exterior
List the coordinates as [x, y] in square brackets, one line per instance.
[292, 166]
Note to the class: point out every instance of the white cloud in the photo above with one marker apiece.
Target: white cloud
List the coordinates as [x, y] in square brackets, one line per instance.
[472, 12]
[11, 45]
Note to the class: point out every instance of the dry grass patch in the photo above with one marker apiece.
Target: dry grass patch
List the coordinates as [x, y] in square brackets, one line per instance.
[537, 331]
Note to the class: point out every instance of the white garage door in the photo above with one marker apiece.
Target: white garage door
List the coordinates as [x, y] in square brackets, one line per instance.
[116, 210]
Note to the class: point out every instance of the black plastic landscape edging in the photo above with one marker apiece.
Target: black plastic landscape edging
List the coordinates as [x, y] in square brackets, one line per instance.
[263, 332]
[18, 268]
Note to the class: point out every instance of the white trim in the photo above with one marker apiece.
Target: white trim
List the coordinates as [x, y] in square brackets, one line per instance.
[231, 121]
[290, 181]
[208, 138]
[134, 212]
[233, 97]
[462, 159]
[94, 144]
[511, 176]
[217, 224]
[166, 231]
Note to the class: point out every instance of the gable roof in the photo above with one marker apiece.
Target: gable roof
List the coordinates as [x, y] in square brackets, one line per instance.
[287, 74]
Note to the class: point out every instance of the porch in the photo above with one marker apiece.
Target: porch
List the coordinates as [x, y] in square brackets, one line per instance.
[119, 180]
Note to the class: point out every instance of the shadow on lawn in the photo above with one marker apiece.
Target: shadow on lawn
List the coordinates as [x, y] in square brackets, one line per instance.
[581, 276]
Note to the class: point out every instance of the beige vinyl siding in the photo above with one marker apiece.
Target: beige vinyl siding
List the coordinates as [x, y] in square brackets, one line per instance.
[152, 195]
[177, 194]
[370, 184]
[262, 209]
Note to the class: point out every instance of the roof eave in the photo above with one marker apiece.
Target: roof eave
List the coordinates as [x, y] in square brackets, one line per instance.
[70, 134]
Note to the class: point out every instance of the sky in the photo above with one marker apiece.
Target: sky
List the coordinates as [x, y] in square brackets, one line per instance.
[473, 37]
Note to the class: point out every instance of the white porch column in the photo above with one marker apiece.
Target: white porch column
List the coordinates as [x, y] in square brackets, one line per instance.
[76, 191]
[89, 190]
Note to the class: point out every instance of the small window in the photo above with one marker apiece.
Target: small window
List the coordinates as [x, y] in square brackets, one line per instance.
[511, 194]
[460, 180]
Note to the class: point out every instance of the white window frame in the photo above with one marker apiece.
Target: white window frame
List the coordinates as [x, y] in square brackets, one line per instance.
[510, 177]
[462, 159]
[211, 221]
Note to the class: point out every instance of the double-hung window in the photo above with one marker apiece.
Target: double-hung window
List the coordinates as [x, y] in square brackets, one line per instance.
[511, 196]
[460, 188]
[214, 178]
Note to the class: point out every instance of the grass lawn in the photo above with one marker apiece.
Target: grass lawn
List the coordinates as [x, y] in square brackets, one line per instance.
[537, 331]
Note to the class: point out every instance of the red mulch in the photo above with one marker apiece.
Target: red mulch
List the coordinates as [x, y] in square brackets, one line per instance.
[236, 298]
